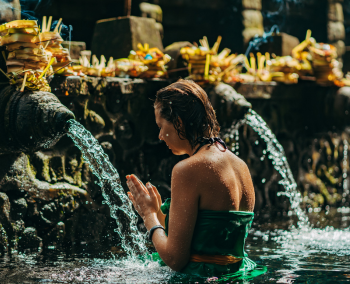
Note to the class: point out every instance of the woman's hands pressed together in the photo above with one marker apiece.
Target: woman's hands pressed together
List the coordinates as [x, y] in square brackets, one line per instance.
[146, 199]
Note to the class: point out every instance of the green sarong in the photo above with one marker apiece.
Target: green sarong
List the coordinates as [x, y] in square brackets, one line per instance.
[219, 233]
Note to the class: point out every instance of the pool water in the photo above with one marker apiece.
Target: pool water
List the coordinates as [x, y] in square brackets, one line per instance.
[316, 254]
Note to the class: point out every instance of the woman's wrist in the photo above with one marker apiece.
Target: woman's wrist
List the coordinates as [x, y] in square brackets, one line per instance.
[151, 220]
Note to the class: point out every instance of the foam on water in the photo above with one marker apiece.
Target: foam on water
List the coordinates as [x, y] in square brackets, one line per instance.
[113, 271]
[120, 206]
[307, 240]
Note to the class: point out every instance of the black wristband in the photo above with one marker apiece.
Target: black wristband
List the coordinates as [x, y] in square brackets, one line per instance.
[153, 229]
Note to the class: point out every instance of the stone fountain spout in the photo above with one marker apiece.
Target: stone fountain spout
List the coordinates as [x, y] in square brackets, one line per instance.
[30, 120]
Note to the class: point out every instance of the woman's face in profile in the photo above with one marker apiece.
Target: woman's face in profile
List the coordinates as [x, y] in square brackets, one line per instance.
[169, 135]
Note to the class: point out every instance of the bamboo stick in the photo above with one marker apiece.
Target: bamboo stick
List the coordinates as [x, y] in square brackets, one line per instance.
[62, 67]
[308, 35]
[232, 66]
[252, 62]
[231, 57]
[216, 45]
[146, 47]
[205, 39]
[261, 63]
[246, 63]
[189, 68]
[48, 27]
[47, 67]
[4, 73]
[24, 82]
[46, 44]
[59, 30]
[58, 24]
[206, 70]
[43, 25]
[4, 55]
[224, 53]
[140, 46]
[258, 55]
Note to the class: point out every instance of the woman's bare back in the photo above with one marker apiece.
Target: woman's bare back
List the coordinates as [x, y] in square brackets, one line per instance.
[224, 181]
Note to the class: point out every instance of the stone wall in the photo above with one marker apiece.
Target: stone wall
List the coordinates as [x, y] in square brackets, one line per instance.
[49, 198]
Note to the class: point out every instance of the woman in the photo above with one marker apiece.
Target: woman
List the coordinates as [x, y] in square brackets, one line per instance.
[212, 194]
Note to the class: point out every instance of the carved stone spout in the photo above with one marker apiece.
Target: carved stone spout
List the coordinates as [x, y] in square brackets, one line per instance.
[30, 120]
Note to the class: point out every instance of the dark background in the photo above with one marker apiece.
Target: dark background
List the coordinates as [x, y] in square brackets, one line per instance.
[190, 20]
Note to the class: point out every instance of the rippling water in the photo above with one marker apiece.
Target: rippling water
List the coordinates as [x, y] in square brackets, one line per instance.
[292, 251]
[317, 255]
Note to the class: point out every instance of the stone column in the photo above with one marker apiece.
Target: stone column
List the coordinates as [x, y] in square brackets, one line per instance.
[252, 19]
[335, 28]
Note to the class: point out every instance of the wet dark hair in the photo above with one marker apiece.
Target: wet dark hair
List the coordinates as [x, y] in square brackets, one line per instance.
[186, 100]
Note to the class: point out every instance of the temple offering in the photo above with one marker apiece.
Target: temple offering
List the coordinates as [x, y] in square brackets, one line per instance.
[125, 67]
[309, 61]
[27, 61]
[52, 43]
[204, 64]
[318, 60]
[23, 44]
[153, 59]
[98, 67]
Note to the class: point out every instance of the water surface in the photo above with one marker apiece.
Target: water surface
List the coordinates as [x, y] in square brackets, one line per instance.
[312, 255]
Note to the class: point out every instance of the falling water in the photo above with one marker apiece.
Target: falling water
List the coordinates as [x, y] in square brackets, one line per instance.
[112, 191]
[345, 170]
[279, 161]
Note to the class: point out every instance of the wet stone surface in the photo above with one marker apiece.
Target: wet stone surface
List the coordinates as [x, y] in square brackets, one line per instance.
[54, 191]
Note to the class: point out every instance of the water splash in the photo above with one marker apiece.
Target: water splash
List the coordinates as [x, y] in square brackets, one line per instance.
[279, 161]
[234, 137]
[345, 170]
[132, 240]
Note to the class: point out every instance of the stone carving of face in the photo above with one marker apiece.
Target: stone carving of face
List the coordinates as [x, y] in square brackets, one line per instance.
[10, 10]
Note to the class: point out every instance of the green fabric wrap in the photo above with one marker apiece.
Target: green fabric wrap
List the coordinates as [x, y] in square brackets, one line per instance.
[218, 233]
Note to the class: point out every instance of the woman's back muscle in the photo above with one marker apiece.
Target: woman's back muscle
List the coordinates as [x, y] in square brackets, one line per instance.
[224, 181]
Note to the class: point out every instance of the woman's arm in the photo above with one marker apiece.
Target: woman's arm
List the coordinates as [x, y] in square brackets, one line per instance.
[174, 249]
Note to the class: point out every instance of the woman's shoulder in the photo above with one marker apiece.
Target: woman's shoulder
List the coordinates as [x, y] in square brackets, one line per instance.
[199, 164]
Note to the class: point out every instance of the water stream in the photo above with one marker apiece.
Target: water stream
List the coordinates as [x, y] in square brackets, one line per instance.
[132, 240]
[345, 170]
[279, 161]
